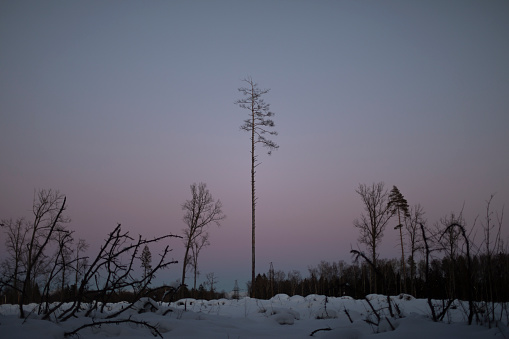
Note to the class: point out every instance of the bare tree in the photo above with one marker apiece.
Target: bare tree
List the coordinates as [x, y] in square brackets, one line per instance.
[279, 278]
[80, 262]
[211, 281]
[447, 239]
[199, 212]
[470, 288]
[29, 245]
[492, 223]
[414, 239]
[59, 266]
[399, 206]
[41, 254]
[12, 266]
[373, 222]
[196, 247]
[111, 271]
[258, 125]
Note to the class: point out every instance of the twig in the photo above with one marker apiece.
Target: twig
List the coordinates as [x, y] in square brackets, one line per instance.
[374, 311]
[320, 329]
[348, 315]
[387, 318]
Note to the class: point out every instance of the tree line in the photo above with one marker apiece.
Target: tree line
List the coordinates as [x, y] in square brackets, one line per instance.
[338, 279]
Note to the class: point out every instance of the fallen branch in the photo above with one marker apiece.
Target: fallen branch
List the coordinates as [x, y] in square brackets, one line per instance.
[348, 315]
[374, 311]
[390, 324]
[320, 329]
[152, 328]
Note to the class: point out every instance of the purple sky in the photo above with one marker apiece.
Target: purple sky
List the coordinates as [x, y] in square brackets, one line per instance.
[121, 105]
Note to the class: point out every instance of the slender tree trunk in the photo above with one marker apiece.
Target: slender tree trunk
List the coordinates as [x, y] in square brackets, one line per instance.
[185, 262]
[403, 266]
[253, 202]
[195, 276]
[373, 273]
[257, 124]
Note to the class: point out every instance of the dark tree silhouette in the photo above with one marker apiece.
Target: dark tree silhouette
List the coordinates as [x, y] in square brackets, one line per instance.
[196, 247]
[373, 222]
[30, 245]
[414, 240]
[199, 211]
[399, 206]
[146, 261]
[258, 124]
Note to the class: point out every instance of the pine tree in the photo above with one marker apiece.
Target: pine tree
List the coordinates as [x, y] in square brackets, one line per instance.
[258, 125]
[146, 260]
[398, 204]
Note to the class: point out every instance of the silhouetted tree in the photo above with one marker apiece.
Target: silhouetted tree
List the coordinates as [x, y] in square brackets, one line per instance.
[110, 273]
[36, 239]
[258, 124]
[373, 222]
[196, 247]
[469, 276]
[295, 280]
[414, 239]
[80, 262]
[399, 206]
[211, 281]
[16, 233]
[146, 261]
[492, 244]
[199, 212]
[447, 240]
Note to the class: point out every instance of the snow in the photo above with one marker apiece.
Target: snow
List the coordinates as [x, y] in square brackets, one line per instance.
[280, 317]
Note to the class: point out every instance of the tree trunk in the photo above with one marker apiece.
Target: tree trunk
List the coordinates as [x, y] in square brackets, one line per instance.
[253, 202]
[185, 262]
[403, 266]
[373, 273]
[194, 284]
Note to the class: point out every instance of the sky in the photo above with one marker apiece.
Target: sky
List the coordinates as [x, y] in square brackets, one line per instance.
[122, 105]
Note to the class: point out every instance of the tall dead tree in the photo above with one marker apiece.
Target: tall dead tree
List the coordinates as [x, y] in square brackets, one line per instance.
[258, 125]
[373, 222]
[199, 212]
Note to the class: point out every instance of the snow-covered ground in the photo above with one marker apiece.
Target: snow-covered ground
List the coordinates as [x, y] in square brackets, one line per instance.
[280, 317]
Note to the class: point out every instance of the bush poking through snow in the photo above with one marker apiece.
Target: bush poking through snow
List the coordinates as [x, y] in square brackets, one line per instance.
[323, 313]
[326, 314]
[283, 316]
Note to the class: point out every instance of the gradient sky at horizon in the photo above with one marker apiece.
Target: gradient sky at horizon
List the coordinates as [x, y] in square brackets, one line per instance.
[121, 105]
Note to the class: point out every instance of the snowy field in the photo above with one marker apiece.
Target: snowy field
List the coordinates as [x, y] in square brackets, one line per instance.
[280, 317]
